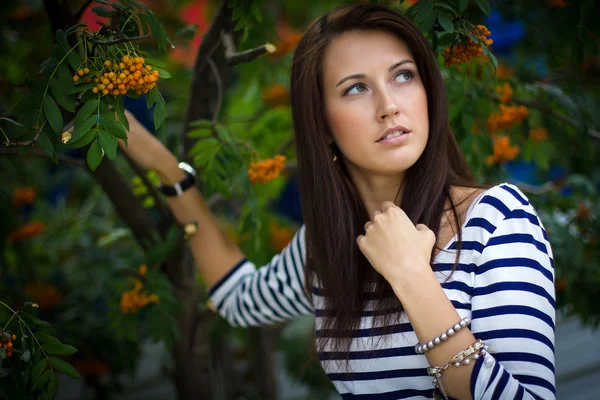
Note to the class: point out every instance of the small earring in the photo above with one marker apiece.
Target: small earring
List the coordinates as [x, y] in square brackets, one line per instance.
[333, 151]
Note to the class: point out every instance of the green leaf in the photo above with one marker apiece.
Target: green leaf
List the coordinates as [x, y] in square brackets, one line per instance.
[46, 338]
[83, 128]
[53, 114]
[88, 109]
[59, 349]
[64, 367]
[256, 12]
[108, 124]
[61, 41]
[494, 60]
[151, 97]
[153, 61]
[201, 123]
[200, 133]
[25, 356]
[64, 78]
[205, 149]
[94, 155]
[446, 22]
[103, 12]
[59, 96]
[121, 113]
[46, 144]
[78, 87]
[75, 60]
[2, 353]
[38, 369]
[109, 144]
[4, 372]
[42, 381]
[428, 16]
[52, 387]
[84, 140]
[485, 6]
[74, 27]
[462, 5]
[163, 74]
[160, 112]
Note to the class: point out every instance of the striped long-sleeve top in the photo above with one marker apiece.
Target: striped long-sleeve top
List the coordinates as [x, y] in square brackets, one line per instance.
[504, 283]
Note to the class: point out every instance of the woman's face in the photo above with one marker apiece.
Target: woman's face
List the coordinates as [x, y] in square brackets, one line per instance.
[372, 87]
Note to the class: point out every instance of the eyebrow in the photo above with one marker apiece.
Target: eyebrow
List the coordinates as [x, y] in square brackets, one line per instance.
[362, 76]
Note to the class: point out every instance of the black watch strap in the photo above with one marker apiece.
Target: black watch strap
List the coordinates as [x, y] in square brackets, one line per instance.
[181, 186]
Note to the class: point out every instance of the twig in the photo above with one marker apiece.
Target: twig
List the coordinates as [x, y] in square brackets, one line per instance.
[215, 71]
[121, 40]
[249, 55]
[214, 200]
[235, 58]
[36, 151]
[27, 143]
[551, 112]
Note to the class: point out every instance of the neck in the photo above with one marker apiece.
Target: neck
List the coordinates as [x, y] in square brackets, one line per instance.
[375, 189]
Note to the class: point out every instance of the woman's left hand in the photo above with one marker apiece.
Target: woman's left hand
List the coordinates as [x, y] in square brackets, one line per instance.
[393, 245]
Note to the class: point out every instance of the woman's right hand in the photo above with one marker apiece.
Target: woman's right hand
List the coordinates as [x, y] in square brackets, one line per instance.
[148, 152]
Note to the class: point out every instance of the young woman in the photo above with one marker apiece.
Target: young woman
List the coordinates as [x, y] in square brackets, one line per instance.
[419, 279]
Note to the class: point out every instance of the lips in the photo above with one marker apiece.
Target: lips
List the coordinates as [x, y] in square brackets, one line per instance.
[397, 128]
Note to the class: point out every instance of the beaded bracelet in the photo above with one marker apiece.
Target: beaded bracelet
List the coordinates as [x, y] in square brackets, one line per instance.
[424, 348]
[464, 357]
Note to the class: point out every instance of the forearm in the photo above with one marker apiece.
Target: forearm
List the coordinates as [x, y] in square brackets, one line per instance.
[430, 313]
[214, 252]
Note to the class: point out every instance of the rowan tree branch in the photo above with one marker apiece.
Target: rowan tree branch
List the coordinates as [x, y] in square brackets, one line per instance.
[561, 117]
[234, 58]
[27, 143]
[219, 82]
[120, 40]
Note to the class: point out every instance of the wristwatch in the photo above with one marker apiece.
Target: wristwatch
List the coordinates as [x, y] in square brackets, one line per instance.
[181, 186]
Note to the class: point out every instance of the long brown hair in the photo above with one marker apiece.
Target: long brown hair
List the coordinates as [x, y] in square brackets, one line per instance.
[334, 214]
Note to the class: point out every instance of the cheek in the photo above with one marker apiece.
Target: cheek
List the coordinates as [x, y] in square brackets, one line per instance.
[344, 121]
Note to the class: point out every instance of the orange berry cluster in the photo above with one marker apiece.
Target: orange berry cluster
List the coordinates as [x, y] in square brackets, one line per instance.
[130, 74]
[23, 196]
[26, 231]
[280, 236]
[583, 211]
[503, 151]
[266, 170]
[505, 92]
[44, 294]
[132, 301]
[507, 117]
[558, 4]
[465, 50]
[539, 134]
[276, 95]
[7, 344]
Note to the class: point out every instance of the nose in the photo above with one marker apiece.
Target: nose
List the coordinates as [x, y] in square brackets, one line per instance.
[388, 106]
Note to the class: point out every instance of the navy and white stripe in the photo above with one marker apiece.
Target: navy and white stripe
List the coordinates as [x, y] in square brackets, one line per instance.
[504, 283]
